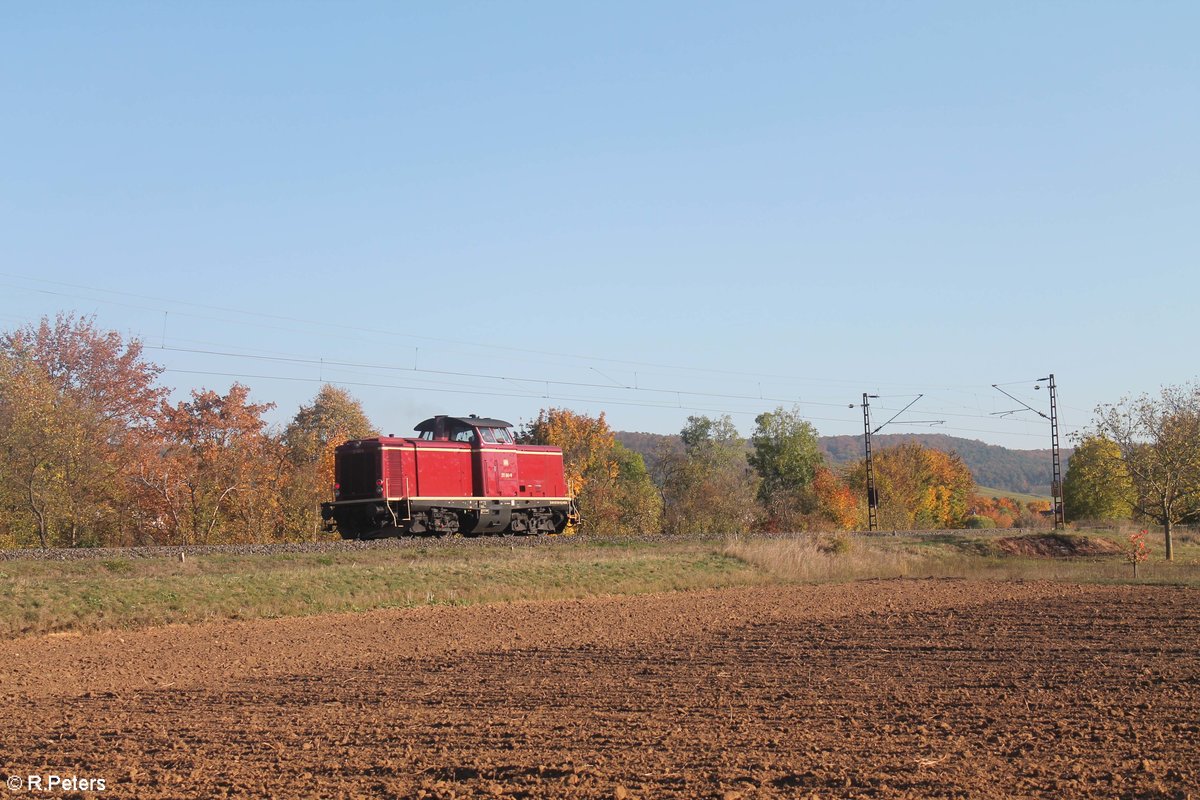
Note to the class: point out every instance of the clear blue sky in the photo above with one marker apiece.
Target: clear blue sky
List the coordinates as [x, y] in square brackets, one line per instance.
[793, 201]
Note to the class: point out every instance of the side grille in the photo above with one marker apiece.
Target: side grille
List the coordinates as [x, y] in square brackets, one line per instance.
[357, 472]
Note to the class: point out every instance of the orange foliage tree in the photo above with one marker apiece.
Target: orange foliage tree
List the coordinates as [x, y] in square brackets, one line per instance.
[310, 440]
[919, 487]
[1037, 507]
[611, 484]
[1005, 512]
[76, 408]
[1002, 511]
[1137, 552]
[218, 476]
[586, 443]
[836, 504]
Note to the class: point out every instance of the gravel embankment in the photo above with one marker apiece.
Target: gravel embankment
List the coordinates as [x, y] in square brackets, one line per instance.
[103, 553]
[332, 546]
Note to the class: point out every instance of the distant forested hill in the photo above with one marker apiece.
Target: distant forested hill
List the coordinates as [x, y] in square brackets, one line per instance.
[1025, 471]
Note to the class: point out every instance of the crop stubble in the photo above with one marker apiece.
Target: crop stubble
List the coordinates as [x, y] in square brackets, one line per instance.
[872, 689]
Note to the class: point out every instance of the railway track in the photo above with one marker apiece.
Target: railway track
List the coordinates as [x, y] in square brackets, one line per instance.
[338, 546]
[405, 543]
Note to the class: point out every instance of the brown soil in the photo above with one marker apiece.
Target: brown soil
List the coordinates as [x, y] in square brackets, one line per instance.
[1053, 545]
[873, 689]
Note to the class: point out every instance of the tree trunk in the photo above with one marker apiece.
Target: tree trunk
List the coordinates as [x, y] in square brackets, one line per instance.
[39, 516]
[1167, 534]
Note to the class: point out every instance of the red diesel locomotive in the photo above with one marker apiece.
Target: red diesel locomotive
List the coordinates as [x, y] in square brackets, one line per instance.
[461, 475]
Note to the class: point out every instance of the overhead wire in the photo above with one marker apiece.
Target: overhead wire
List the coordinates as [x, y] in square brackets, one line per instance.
[482, 392]
[616, 385]
[546, 396]
[487, 376]
[545, 381]
[419, 337]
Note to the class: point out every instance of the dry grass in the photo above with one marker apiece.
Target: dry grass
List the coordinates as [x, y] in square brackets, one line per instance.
[47, 596]
[818, 558]
[823, 558]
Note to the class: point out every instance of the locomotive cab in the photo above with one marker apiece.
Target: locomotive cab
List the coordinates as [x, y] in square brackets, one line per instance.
[470, 429]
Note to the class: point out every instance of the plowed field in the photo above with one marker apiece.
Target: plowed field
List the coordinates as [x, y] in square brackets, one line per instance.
[872, 689]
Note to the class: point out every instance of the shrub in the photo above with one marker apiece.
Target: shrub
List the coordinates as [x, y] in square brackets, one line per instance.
[977, 522]
[839, 545]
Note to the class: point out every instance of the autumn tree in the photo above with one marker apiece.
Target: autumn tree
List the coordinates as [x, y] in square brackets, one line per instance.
[1040, 507]
[310, 439]
[31, 482]
[219, 475]
[1001, 511]
[1006, 512]
[786, 455]
[586, 443]
[919, 487]
[76, 408]
[1036, 514]
[1158, 439]
[1096, 486]
[11, 529]
[837, 506]
[709, 487]
[637, 499]
[611, 484]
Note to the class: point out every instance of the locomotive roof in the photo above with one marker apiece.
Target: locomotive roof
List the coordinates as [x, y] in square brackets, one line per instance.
[478, 422]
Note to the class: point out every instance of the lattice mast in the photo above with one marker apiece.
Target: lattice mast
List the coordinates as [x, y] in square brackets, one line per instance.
[1060, 517]
[872, 495]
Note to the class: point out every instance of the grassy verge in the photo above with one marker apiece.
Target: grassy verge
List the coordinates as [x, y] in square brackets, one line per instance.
[1020, 497]
[49, 596]
[830, 558]
[54, 596]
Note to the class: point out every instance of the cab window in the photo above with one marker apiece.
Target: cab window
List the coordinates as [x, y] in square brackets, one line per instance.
[486, 433]
[502, 435]
[464, 435]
